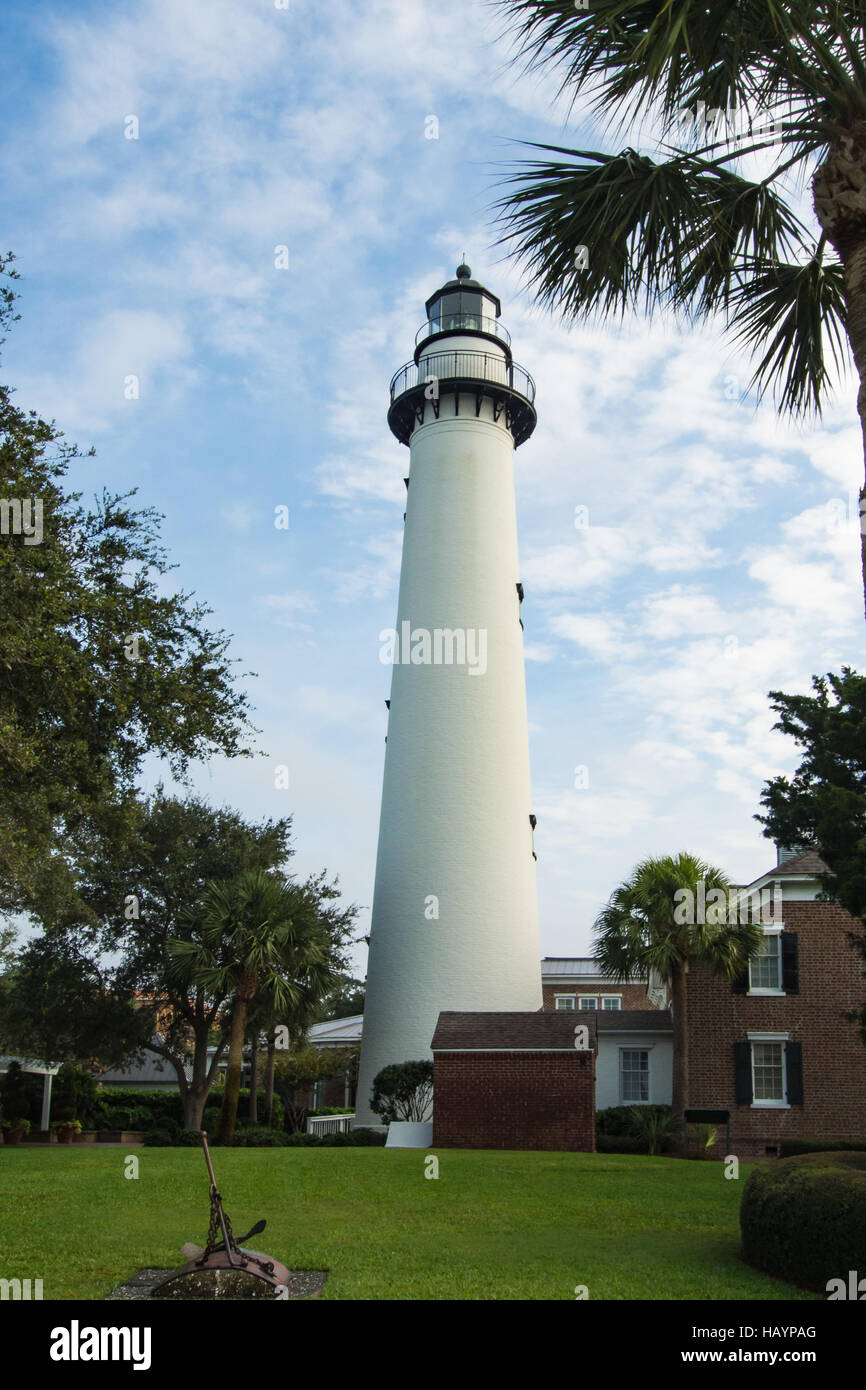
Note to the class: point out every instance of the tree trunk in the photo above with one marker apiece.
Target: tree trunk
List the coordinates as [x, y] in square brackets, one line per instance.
[245, 992]
[254, 1077]
[198, 1089]
[269, 1079]
[680, 1095]
[839, 196]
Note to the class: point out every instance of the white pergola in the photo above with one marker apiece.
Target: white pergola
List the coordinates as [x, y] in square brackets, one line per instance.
[47, 1070]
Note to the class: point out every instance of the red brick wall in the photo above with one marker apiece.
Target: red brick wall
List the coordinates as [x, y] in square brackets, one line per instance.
[514, 1100]
[633, 996]
[834, 1057]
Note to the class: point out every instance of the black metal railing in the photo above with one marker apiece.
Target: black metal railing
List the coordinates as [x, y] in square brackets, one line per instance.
[462, 365]
[453, 323]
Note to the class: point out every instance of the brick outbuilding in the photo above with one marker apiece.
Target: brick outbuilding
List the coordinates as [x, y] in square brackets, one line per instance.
[514, 1081]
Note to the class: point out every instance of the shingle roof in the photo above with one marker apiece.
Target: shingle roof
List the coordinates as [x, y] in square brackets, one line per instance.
[537, 1032]
[808, 862]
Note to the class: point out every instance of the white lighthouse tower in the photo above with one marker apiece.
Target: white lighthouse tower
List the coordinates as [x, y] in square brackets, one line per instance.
[455, 916]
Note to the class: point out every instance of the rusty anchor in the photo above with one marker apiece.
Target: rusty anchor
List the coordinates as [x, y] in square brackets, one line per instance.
[224, 1256]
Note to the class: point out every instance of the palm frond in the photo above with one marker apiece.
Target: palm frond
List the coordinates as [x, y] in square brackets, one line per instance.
[792, 311]
[633, 52]
[672, 233]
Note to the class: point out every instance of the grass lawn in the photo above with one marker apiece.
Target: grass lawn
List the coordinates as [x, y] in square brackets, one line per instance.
[492, 1226]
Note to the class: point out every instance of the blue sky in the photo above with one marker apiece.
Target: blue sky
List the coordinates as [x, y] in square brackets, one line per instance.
[720, 559]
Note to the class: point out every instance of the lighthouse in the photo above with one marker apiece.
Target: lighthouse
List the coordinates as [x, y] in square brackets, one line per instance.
[455, 915]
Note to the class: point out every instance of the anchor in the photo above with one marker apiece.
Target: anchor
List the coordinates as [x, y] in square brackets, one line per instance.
[224, 1252]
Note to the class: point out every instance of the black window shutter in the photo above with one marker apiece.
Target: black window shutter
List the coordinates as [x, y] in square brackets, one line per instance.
[790, 970]
[794, 1072]
[743, 1073]
[740, 983]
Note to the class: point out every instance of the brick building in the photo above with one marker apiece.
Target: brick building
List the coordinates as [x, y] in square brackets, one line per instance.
[573, 983]
[513, 1081]
[775, 1047]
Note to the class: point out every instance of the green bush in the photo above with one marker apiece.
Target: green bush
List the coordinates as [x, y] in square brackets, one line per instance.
[158, 1139]
[619, 1144]
[187, 1138]
[791, 1148]
[367, 1138]
[638, 1127]
[403, 1091]
[257, 1138]
[804, 1218]
[300, 1140]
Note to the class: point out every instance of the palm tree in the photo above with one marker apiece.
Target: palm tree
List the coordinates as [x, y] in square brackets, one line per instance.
[606, 233]
[645, 926]
[259, 932]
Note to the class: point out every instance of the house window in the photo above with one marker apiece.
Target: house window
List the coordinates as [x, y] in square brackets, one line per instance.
[633, 1074]
[588, 1001]
[765, 968]
[565, 1001]
[768, 1073]
[611, 1001]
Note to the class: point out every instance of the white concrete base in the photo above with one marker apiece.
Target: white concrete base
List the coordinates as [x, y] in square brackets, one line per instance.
[410, 1134]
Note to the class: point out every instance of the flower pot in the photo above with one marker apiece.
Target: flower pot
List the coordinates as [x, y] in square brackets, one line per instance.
[66, 1134]
[410, 1134]
[14, 1136]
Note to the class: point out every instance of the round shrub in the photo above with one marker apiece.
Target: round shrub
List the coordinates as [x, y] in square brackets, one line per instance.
[367, 1138]
[804, 1218]
[300, 1140]
[158, 1139]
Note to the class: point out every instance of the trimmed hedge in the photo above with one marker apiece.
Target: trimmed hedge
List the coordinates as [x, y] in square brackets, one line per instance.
[128, 1108]
[804, 1218]
[248, 1137]
[792, 1148]
[619, 1144]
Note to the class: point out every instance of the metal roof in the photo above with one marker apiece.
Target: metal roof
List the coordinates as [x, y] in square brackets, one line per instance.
[579, 967]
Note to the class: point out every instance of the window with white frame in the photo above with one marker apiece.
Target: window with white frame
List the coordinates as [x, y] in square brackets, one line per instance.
[765, 968]
[564, 1001]
[768, 1073]
[611, 1001]
[588, 1001]
[633, 1074]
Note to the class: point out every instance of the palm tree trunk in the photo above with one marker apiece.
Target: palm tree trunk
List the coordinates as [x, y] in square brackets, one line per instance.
[254, 1077]
[839, 196]
[269, 1078]
[679, 1098]
[240, 1009]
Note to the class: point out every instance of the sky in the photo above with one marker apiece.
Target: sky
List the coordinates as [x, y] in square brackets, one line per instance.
[239, 205]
